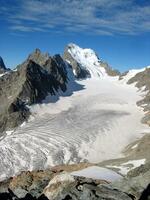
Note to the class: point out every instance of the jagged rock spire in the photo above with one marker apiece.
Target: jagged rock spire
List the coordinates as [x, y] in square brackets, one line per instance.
[2, 65]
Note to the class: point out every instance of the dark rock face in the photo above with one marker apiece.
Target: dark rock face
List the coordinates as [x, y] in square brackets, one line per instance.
[11, 196]
[29, 84]
[145, 194]
[2, 66]
[57, 68]
[12, 109]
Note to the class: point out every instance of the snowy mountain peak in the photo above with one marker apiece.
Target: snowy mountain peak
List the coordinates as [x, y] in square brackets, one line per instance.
[86, 53]
[87, 59]
[86, 63]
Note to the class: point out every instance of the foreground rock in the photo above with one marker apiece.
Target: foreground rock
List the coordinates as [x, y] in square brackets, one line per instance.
[65, 186]
[137, 179]
[55, 185]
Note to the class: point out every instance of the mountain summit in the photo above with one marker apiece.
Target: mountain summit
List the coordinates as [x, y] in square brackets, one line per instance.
[86, 63]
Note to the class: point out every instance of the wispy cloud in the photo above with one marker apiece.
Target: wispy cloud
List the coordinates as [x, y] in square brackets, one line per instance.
[102, 17]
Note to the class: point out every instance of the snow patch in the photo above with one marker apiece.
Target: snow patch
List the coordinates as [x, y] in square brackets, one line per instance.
[9, 132]
[2, 74]
[135, 163]
[96, 172]
[135, 146]
[23, 124]
[127, 166]
[131, 74]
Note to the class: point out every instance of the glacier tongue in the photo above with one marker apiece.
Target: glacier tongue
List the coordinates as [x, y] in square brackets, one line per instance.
[88, 60]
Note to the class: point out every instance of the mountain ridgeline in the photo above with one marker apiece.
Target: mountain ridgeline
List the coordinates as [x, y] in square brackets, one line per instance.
[41, 75]
[38, 76]
[29, 83]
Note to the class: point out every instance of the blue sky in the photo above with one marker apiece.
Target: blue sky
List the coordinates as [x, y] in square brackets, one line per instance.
[118, 30]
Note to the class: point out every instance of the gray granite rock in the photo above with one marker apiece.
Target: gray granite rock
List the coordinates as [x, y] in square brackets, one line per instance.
[50, 185]
[64, 186]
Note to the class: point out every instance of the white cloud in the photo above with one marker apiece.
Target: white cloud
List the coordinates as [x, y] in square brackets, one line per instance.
[103, 17]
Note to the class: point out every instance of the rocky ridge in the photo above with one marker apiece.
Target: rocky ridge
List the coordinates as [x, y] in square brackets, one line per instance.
[30, 83]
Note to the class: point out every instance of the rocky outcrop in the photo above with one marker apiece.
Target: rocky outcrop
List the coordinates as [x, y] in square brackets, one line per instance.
[30, 83]
[122, 75]
[136, 182]
[65, 186]
[38, 57]
[141, 80]
[109, 70]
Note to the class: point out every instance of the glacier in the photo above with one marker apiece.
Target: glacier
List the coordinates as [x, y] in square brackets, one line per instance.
[93, 124]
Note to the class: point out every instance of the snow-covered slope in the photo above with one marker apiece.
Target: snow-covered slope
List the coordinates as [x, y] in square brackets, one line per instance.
[131, 73]
[87, 60]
